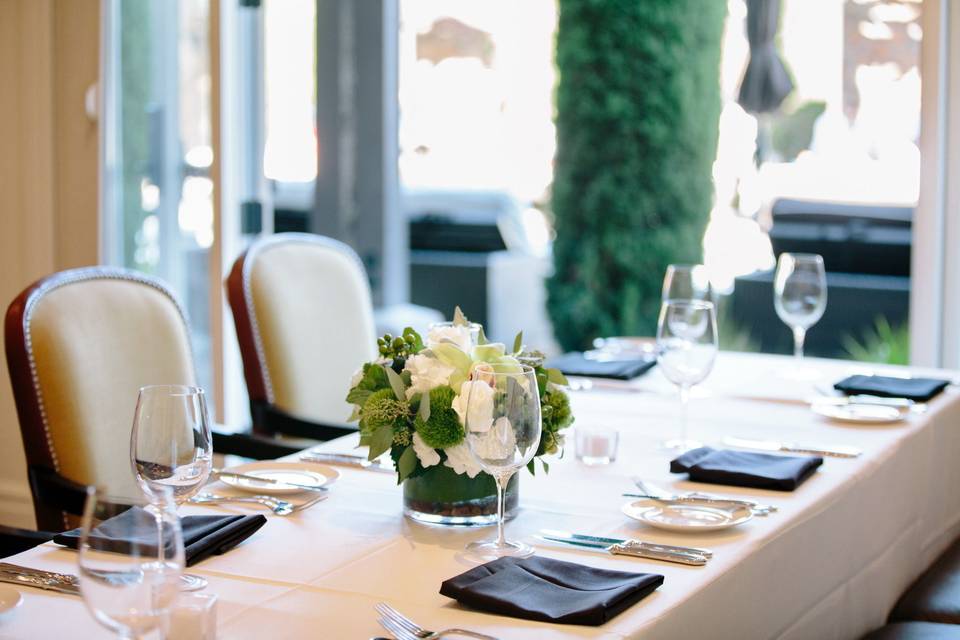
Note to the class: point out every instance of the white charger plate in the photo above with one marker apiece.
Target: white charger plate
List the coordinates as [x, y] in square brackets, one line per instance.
[686, 517]
[305, 473]
[858, 413]
[10, 599]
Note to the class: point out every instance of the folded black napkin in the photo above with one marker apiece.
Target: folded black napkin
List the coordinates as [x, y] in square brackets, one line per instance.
[916, 389]
[550, 590]
[746, 468]
[575, 364]
[203, 536]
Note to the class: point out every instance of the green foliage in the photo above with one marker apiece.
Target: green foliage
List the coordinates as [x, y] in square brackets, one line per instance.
[638, 105]
[882, 343]
[556, 414]
[383, 409]
[793, 132]
[442, 428]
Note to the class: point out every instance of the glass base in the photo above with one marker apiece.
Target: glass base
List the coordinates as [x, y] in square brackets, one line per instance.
[191, 582]
[679, 445]
[488, 550]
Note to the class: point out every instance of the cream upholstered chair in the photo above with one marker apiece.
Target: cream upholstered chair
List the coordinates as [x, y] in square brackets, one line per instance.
[79, 346]
[304, 318]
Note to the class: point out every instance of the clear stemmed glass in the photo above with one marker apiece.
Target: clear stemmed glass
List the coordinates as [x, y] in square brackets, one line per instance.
[800, 295]
[130, 567]
[503, 425]
[686, 350]
[171, 446]
[686, 282]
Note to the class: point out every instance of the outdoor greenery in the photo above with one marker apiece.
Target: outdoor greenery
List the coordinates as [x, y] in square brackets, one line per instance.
[882, 343]
[638, 103]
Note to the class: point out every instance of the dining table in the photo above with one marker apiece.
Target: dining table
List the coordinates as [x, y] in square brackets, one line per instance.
[829, 563]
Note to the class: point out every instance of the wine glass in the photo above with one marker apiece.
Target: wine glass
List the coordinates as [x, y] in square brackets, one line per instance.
[171, 446]
[800, 295]
[686, 350]
[686, 282]
[503, 426]
[130, 560]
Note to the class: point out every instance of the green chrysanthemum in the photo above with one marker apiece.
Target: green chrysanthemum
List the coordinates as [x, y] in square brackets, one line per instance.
[556, 411]
[443, 428]
[381, 409]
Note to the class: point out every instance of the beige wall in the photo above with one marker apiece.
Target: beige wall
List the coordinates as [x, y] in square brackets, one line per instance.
[49, 56]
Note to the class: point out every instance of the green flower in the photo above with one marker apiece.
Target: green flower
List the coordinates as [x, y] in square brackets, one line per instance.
[555, 409]
[442, 429]
[381, 409]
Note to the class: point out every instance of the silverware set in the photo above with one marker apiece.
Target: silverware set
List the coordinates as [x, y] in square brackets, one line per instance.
[220, 473]
[653, 492]
[276, 505]
[403, 628]
[345, 460]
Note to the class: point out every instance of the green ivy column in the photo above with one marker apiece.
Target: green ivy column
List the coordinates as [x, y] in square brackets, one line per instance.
[638, 104]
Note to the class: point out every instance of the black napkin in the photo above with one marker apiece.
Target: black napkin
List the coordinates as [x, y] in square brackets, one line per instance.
[203, 536]
[916, 389]
[746, 468]
[575, 364]
[550, 590]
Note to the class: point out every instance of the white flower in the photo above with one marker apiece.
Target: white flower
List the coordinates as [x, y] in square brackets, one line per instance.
[461, 460]
[459, 336]
[497, 443]
[426, 373]
[479, 415]
[427, 454]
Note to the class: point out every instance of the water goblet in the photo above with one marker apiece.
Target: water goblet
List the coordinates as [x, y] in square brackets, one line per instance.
[800, 296]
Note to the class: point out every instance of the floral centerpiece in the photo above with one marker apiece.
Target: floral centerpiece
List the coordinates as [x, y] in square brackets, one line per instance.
[411, 401]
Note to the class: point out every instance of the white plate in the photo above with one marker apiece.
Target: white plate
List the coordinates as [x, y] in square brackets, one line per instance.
[860, 413]
[686, 517]
[306, 473]
[10, 599]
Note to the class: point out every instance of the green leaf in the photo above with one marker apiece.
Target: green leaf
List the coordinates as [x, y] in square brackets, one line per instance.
[531, 468]
[380, 441]
[518, 343]
[482, 337]
[358, 396]
[556, 377]
[459, 320]
[355, 414]
[396, 383]
[546, 467]
[407, 463]
[424, 410]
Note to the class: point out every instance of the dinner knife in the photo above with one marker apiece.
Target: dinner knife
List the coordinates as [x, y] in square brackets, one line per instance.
[271, 481]
[707, 553]
[835, 451]
[634, 548]
[27, 577]
[346, 460]
[899, 403]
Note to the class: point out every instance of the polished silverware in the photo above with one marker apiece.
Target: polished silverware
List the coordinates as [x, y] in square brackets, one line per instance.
[220, 473]
[346, 460]
[630, 547]
[27, 577]
[707, 553]
[834, 451]
[899, 403]
[406, 629]
[720, 503]
[277, 506]
[650, 489]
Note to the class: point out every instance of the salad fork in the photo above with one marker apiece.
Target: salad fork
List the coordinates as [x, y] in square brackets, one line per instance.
[406, 629]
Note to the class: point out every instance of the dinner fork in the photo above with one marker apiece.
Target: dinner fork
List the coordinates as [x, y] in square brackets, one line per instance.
[279, 507]
[406, 629]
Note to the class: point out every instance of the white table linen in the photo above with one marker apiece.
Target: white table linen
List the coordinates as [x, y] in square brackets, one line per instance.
[829, 564]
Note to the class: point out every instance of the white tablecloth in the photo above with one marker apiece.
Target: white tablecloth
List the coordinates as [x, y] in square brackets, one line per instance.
[829, 564]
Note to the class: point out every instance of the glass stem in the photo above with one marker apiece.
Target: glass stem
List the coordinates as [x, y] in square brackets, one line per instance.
[684, 399]
[799, 334]
[501, 481]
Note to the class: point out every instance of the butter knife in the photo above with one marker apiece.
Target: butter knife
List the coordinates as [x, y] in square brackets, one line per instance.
[629, 547]
[27, 577]
[346, 460]
[834, 451]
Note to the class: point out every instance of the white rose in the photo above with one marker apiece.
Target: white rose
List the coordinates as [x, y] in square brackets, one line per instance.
[458, 336]
[426, 373]
[427, 454]
[461, 460]
[479, 415]
[497, 443]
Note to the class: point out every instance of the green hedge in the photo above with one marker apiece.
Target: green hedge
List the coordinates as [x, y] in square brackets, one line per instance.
[638, 103]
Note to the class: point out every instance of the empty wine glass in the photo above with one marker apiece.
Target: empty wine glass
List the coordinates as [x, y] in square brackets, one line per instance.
[800, 295]
[686, 282]
[686, 350]
[503, 426]
[171, 446]
[130, 560]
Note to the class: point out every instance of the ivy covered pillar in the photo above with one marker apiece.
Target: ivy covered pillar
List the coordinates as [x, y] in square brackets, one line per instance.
[638, 105]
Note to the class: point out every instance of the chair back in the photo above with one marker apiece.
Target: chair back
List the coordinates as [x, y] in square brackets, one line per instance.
[79, 345]
[304, 317]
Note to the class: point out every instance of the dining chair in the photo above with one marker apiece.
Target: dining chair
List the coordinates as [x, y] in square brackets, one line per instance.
[304, 320]
[79, 345]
